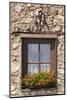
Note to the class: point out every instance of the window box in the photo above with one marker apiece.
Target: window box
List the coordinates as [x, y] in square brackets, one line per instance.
[39, 80]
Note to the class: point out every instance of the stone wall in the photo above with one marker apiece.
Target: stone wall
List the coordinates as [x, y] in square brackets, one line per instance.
[23, 18]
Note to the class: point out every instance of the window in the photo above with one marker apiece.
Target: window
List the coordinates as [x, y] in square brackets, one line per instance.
[38, 55]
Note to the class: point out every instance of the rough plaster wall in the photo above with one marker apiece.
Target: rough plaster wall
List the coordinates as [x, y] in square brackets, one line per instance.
[23, 18]
[60, 64]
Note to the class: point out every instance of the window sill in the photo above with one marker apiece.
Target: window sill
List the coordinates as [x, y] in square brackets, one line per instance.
[38, 87]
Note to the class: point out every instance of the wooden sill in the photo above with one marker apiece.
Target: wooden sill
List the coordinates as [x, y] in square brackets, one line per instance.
[37, 89]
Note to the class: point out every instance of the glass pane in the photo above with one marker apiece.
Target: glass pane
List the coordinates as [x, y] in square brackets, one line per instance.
[44, 52]
[33, 53]
[45, 67]
[33, 68]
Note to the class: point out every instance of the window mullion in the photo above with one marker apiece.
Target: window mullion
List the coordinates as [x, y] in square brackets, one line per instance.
[39, 57]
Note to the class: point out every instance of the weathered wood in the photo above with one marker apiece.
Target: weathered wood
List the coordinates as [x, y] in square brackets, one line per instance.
[38, 62]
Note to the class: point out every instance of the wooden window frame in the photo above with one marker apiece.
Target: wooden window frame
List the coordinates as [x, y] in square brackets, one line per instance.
[27, 38]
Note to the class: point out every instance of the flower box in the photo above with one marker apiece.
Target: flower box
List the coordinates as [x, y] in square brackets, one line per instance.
[39, 80]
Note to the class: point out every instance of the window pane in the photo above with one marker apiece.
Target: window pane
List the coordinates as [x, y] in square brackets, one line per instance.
[33, 68]
[33, 53]
[45, 52]
[45, 67]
